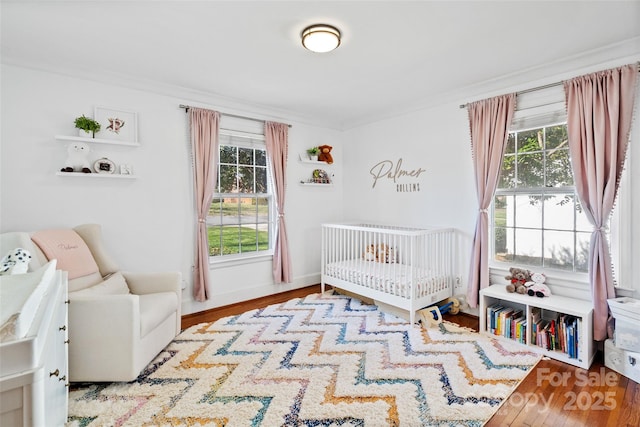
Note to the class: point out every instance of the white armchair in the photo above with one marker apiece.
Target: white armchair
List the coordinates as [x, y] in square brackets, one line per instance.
[118, 321]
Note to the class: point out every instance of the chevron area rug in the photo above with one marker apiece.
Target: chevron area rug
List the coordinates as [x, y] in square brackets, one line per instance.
[323, 360]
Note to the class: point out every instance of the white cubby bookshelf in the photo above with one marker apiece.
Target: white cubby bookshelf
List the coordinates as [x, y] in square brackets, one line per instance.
[550, 308]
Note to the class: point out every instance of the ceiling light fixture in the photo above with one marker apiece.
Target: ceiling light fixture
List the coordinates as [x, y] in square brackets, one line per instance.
[320, 38]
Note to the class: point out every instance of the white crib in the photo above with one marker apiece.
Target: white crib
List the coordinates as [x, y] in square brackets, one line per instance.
[403, 267]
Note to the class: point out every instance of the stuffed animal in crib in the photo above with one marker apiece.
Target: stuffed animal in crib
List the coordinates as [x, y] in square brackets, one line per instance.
[380, 253]
[386, 254]
[325, 154]
[517, 278]
[536, 286]
[15, 262]
[370, 253]
[77, 158]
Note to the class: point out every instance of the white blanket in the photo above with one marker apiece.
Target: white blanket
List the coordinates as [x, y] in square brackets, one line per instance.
[20, 297]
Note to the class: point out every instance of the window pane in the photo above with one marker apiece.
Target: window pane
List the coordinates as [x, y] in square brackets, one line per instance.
[558, 252]
[228, 154]
[247, 210]
[263, 210]
[216, 208]
[227, 179]
[530, 140]
[503, 244]
[500, 211]
[231, 211]
[582, 251]
[508, 173]
[556, 136]
[559, 169]
[528, 211]
[511, 144]
[245, 156]
[558, 212]
[530, 170]
[245, 175]
[223, 240]
[528, 247]
[261, 180]
[261, 158]
[582, 222]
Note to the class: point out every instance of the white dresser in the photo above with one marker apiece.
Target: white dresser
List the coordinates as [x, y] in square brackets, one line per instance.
[34, 367]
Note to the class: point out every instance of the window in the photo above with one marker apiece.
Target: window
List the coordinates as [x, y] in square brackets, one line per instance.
[240, 219]
[537, 217]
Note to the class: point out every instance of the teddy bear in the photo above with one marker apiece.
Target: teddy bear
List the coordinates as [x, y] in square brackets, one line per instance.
[518, 278]
[77, 158]
[325, 154]
[15, 262]
[536, 286]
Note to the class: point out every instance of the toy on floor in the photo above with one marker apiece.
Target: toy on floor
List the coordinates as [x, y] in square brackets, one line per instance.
[432, 316]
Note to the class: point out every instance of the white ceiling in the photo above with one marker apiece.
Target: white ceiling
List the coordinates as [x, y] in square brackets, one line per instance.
[395, 56]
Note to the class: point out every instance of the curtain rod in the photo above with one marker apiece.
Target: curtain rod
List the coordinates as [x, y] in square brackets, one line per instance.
[186, 109]
[533, 89]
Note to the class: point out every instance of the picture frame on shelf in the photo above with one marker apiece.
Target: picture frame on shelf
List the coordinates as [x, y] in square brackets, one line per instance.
[126, 170]
[116, 124]
[104, 165]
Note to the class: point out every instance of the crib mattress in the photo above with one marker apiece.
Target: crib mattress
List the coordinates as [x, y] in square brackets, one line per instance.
[392, 279]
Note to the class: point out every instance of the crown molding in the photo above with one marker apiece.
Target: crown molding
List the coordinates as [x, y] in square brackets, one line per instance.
[189, 96]
[613, 55]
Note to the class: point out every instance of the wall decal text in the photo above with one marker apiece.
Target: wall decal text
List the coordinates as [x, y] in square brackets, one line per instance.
[395, 172]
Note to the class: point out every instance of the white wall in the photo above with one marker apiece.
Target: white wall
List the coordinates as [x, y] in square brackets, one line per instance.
[148, 222]
[435, 140]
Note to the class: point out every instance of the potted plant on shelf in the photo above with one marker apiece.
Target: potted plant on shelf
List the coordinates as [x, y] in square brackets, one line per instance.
[313, 153]
[86, 127]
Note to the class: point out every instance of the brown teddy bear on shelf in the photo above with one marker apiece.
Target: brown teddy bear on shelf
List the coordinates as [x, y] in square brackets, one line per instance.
[517, 279]
[325, 154]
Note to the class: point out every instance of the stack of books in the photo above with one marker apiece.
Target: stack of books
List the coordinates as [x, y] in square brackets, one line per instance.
[508, 322]
[561, 332]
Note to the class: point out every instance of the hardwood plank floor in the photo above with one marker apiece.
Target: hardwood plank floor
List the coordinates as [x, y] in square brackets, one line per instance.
[553, 394]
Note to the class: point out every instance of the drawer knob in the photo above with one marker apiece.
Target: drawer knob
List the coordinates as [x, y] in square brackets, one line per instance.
[66, 341]
[62, 328]
[67, 302]
[63, 378]
[54, 373]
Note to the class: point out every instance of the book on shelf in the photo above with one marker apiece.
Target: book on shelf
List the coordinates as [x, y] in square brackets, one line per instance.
[560, 333]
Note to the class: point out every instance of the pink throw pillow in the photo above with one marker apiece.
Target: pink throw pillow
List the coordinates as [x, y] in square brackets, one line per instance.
[69, 249]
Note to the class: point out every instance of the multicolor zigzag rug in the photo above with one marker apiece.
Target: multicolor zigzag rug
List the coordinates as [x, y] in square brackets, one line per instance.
[323, 360]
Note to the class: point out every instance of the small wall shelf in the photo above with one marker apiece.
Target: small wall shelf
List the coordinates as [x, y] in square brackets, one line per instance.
[96, 140]
[95, 175]
[317, 184]
[315, 162]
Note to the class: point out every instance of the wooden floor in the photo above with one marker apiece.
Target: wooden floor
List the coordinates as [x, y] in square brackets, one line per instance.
[553, 394]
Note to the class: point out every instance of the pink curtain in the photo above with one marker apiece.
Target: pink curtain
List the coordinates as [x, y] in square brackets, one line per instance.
[489, 121]
[205, 126]
[599, 114]
[277, 141]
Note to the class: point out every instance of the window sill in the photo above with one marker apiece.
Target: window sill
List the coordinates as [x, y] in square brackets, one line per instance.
[554, 277]
[235, 260]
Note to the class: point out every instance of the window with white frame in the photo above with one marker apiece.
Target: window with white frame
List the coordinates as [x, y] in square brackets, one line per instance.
[241, 217]
[537, 217]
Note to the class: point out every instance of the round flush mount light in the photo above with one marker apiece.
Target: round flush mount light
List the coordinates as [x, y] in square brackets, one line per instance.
[320, 38]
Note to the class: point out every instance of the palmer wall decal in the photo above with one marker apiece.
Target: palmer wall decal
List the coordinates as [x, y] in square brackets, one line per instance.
[394, 172]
